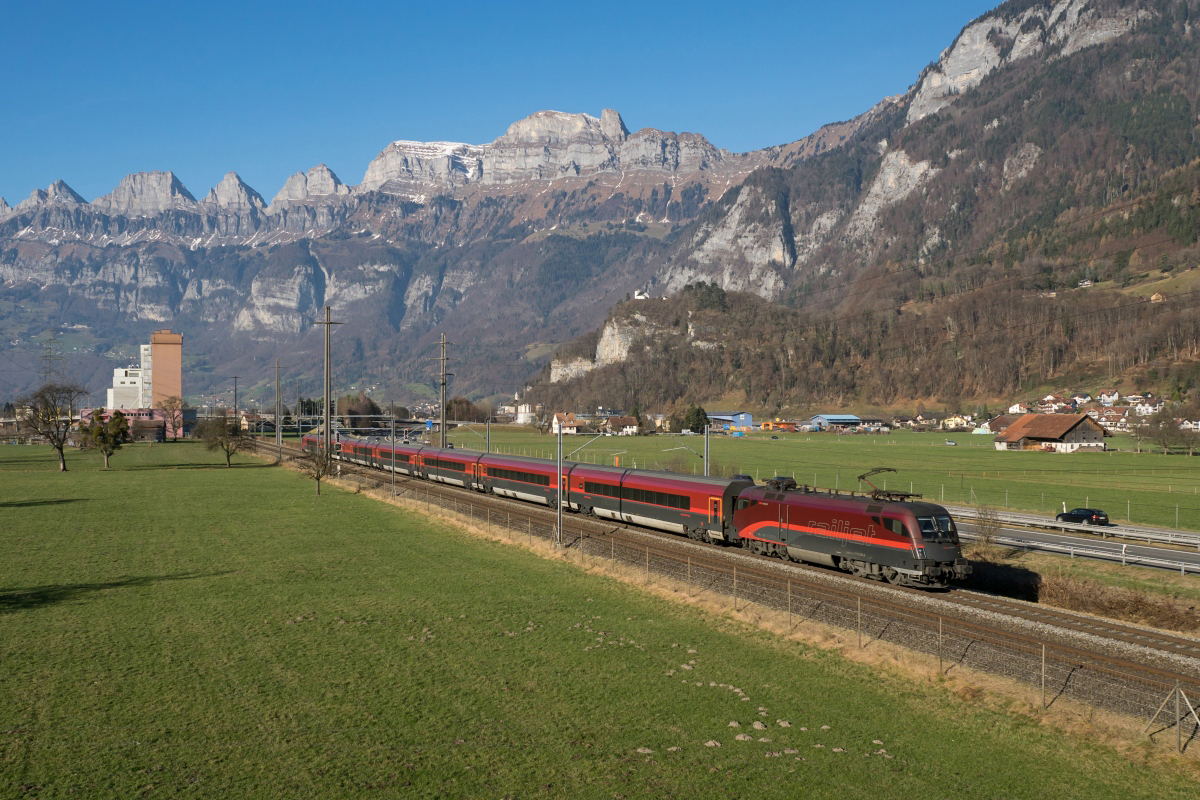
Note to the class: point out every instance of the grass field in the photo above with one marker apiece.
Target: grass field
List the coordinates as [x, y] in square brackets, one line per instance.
[173, 626]
[1146, 487]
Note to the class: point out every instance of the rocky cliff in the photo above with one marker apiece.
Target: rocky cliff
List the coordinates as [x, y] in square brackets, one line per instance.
[532, 237]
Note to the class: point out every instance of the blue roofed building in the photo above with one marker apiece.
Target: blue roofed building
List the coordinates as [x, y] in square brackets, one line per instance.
[731, 420]
[831, 422]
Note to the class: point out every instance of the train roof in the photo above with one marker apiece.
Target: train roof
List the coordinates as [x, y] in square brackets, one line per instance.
[918, 507]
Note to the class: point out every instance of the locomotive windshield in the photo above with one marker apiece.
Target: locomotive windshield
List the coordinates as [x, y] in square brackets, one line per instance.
[938, 529]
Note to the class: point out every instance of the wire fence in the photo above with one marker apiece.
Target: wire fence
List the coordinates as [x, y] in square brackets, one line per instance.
[1055, 669]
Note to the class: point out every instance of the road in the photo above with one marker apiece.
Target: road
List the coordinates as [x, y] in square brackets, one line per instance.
[1182, 559]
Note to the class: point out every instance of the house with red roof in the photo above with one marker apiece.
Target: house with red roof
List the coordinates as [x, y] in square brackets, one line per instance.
[1053, 433]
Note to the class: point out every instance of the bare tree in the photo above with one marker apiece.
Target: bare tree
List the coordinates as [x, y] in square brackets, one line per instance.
[316, 463]
[1163, 430]
[49, 411]
[106, 435]
[224, 434]
[987, 528]
[173, 408]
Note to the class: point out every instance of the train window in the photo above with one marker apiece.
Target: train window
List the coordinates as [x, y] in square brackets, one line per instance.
[602, 489]
[743, 503]
[939, 530]
[895, 526]
[658, 498]
[517, 475]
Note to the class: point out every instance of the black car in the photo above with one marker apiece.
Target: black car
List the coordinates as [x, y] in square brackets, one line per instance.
[1087, 516]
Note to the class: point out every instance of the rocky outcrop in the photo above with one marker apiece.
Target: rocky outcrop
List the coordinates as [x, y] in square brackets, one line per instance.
[897, 178]
[561, 371]
[544, 146]
[57, 193]
[1020, 163]
[4, 206]
[416, 168]
[144, 194]
[615, 343]
[548, 145]
[995, 39]
[233, 195]
[318, 184]
[747, 250]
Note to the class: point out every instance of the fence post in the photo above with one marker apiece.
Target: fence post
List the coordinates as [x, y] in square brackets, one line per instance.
[1043, 675]
[859, 598]
[612, 543]
[735, 588]
[647, 562]
[1178, 726]
[789, 603]
[939, 644]
[529, 529]
[689, 578]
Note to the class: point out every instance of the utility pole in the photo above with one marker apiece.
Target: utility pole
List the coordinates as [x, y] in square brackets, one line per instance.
[392, 414]
[445, 375]
[51, 358]
[236, 421]
[327, 437]
[706, 429]
[278, 414]
[558, 492]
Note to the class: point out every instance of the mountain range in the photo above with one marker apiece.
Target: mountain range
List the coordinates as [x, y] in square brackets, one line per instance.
[1037, 115]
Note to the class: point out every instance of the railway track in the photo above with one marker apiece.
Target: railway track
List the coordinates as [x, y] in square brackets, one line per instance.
[1101, 662]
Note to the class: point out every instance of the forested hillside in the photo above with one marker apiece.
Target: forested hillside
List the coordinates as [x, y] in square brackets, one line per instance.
[998, 343]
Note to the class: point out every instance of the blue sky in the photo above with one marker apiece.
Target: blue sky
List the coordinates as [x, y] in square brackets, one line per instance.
[94, 91]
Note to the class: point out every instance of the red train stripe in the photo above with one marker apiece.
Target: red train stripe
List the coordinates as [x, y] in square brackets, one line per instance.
[748, 533]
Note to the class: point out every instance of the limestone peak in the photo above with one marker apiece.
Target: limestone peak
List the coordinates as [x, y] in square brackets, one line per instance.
[233, 194]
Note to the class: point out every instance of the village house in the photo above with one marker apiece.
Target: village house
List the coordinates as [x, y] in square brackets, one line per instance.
[1109, 397]
[1081, 398]
[622, 426]
[956, 422]
[1115, 419]
[1022, 408]
[1053, 433]
[999, 424]
[1052, 404]
[1149, 407]
[903, 421]
[565, 422]
[930, 419]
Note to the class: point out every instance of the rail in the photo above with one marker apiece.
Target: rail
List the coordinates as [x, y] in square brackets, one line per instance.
[1131, 532]
[1056, 669]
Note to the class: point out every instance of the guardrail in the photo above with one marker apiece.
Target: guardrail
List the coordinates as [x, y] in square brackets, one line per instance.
[1148, 535]
[1121, 555]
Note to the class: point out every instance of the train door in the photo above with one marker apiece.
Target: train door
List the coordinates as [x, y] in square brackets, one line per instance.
[565, 490]
[714, 513]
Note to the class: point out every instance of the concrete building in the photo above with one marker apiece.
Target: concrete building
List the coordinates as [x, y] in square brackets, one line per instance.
[159, 375]
[166, 360]
[127, 389]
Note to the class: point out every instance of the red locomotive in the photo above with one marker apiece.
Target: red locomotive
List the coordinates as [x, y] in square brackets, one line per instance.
[885, 535]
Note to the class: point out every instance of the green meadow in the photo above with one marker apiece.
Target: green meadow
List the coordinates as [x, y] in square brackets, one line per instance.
[1145, 487]
[173, 627]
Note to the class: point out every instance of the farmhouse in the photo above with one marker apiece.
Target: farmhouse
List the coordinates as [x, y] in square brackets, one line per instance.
[1053, 433]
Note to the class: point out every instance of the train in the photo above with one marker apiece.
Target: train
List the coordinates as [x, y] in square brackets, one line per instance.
[889, 536]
